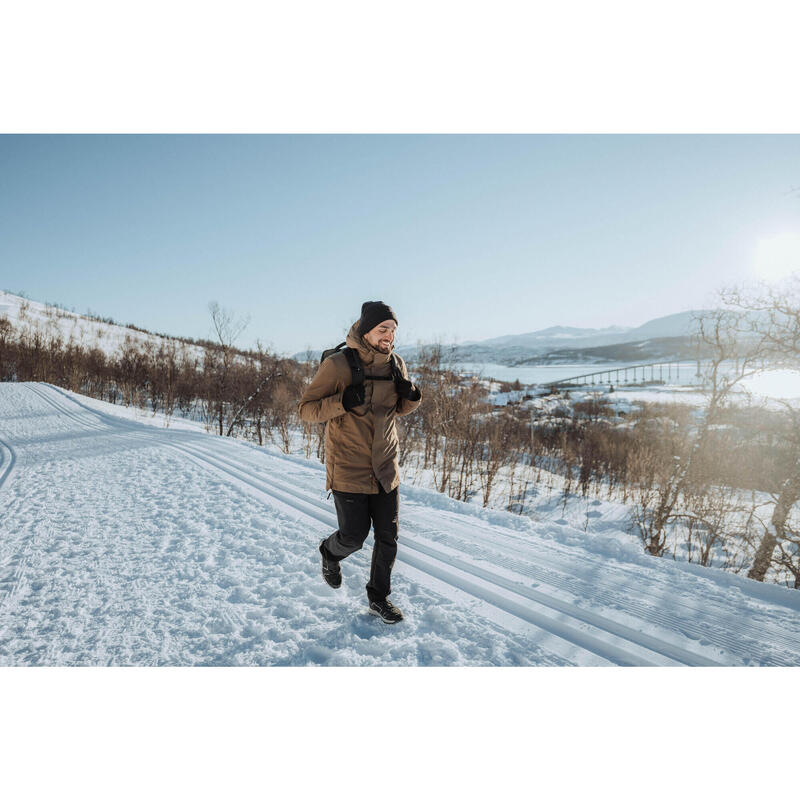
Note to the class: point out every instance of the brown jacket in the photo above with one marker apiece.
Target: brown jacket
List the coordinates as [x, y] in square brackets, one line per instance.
[361, 444]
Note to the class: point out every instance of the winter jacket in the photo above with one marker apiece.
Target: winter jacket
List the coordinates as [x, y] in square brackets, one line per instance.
[361, 444]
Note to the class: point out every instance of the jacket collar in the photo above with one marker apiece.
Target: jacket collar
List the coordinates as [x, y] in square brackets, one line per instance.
[368, 353]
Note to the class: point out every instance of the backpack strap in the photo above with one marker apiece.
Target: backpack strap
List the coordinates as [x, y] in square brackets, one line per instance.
[326, 353]
[356, 369]
[397, 373]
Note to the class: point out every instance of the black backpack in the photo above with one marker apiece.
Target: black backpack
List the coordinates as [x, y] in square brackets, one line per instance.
[357, 368]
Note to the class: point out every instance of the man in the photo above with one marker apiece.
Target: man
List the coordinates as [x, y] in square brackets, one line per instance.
[361, 448]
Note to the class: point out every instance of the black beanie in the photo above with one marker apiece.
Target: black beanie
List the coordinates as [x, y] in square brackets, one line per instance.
[373, 312]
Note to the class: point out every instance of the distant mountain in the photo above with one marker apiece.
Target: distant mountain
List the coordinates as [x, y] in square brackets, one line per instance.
[682, 324]
[665, 337]
[658, 349]
[545, 337]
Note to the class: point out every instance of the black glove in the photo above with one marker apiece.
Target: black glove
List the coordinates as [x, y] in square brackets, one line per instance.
[406, 389]
[353, 396]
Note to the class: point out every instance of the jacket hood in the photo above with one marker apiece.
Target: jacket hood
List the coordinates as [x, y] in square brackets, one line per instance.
[368, 353]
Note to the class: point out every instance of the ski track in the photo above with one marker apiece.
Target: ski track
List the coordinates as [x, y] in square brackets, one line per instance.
[440, 564]
[629, 652]
[606, 651]
[527, 591]
[683, 656]
[231, 582]
[7, 460]
[14, 565]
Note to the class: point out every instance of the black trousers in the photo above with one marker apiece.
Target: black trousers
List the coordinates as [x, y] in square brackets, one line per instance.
[355, 513]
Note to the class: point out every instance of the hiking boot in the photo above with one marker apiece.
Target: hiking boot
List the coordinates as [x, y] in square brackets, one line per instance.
[331, 570]
[386, 611]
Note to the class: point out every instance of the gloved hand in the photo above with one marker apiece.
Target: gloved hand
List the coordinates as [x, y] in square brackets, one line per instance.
[353, 396]
[406, 389]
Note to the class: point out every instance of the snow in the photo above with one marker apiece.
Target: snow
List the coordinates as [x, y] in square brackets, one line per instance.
[52, 320]
[129, 543]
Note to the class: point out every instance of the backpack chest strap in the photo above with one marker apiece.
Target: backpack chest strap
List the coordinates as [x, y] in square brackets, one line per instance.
[357, 368]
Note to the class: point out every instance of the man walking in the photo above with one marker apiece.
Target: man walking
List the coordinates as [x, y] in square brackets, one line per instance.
[361, 447]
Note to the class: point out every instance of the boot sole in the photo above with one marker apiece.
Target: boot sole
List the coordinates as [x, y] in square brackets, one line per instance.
[325, 577]
[383, 619]
[333, 586]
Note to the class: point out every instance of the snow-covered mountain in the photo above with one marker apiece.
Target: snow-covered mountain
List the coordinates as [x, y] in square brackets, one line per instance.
[122, 542]
[680, 324]
[548, 337]
[575, 344]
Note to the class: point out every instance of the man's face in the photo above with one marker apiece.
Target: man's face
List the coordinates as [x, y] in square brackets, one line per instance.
[381, 337]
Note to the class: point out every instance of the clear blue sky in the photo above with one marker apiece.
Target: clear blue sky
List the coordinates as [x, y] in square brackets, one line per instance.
[467, 237]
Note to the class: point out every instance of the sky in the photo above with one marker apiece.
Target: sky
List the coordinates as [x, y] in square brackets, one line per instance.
[467, 237]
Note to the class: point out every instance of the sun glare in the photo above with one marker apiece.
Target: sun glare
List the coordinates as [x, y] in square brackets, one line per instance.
[778, 257]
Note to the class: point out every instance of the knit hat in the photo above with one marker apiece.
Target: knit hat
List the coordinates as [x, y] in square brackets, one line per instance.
[373, 312]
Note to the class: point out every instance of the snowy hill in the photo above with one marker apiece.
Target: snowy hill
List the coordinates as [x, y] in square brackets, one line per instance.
[84, 330]
[127, 543]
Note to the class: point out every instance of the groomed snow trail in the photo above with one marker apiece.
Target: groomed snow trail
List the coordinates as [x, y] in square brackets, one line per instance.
[124, 543]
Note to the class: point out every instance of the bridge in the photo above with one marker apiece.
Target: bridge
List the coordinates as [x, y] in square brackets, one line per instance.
[635, 373]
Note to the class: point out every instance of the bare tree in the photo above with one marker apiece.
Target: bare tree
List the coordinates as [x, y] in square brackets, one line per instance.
[496, 452]
[732, 355]
[227, 329]
[6, 332]
[772, 317]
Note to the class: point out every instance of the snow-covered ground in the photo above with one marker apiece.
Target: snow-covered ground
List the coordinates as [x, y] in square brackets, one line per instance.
[128, 543]
[52, 321]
